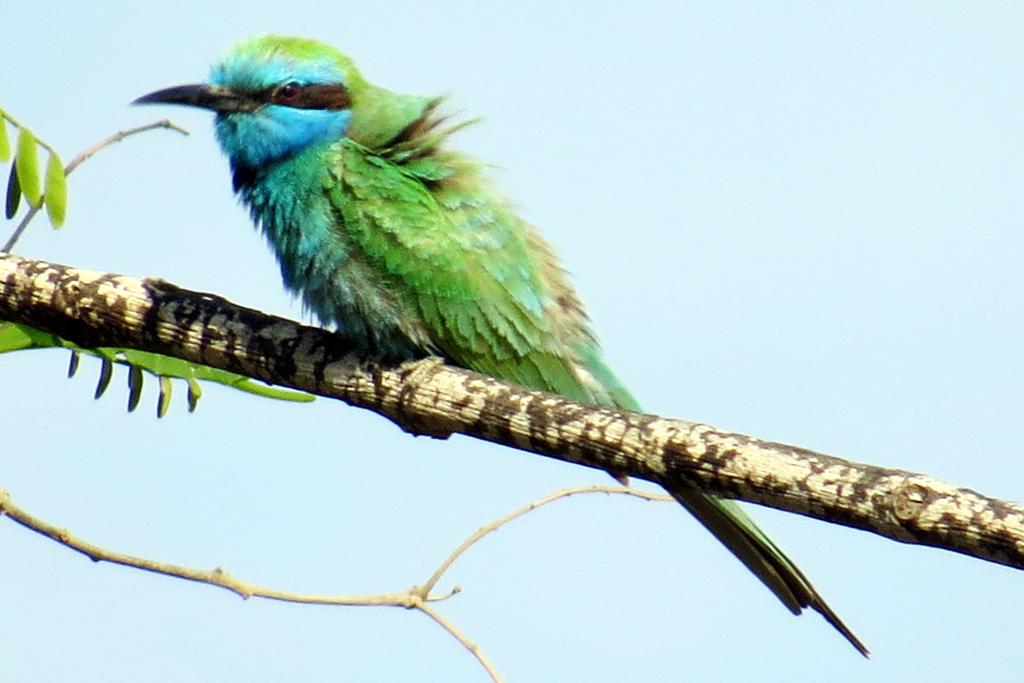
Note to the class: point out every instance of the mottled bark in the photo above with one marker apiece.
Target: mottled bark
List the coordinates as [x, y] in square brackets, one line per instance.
[428, 397]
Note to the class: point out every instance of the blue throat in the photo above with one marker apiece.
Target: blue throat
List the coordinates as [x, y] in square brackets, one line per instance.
[273, 133]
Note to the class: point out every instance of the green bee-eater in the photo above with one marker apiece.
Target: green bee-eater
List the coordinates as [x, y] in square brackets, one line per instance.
[407, 248]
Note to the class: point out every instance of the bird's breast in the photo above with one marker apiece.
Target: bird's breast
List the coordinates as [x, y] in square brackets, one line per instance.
[321, 264]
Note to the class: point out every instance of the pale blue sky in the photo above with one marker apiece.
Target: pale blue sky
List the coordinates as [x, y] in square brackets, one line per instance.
[802, 222]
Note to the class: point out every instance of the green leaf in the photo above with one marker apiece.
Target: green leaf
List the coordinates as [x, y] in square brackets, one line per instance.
[174, 367]
[134, 387]
[266, 390]
[56, 193]
[165, 397]
[195, 392]
[13, 194]
[5, 146]
[27, 163]
[106, 371]
[14, 338]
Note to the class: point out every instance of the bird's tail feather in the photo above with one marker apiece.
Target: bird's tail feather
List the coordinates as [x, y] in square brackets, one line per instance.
[731, 525]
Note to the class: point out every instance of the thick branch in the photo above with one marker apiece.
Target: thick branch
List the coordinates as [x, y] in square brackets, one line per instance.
[428, 397]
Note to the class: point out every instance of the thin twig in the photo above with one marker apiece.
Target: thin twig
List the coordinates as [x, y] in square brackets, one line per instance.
[462, 638]
[82, 156]
[214, 577]
[496, 524]
[118, 137]
[19, 125]
[417, 597]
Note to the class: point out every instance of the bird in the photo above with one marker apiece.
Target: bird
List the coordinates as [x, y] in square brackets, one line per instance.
[408, 249]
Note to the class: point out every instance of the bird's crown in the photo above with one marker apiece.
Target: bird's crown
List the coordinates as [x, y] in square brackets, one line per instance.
[269, 60]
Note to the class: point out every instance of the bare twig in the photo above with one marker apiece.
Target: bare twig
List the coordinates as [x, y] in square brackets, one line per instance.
[5, 116]
[462, 638]
[417, 598]
[82, 156]
[118, 137]
[550, 498]
[214, 577]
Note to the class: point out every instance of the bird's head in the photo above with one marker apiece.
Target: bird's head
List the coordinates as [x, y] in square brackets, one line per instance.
[275, 96]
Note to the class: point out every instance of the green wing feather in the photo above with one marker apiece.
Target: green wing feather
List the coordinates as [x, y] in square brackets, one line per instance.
[483, 283]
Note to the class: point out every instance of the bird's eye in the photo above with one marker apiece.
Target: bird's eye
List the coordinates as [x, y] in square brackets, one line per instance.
[288, 92]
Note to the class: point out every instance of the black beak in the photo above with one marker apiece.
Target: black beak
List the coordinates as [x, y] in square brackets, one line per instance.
[213, 97]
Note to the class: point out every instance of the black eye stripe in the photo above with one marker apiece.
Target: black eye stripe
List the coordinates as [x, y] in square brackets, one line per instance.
[314, 96]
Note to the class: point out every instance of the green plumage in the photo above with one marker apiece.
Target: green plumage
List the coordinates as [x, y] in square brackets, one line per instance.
[406, 247]
[482, 285]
